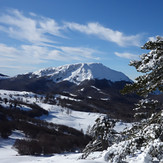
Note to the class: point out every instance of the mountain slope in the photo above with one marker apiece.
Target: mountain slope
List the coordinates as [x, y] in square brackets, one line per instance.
[81, 87]
[77, 73]
[2, 76]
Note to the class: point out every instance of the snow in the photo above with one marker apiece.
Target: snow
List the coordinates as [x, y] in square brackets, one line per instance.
[16, 94]
[77, 73]
[69, 98]
[76, 119]
[121, 126]
[28, 97]
[3, 76]
[82, 90]
[7, 155]
[105, 99]
[57, 114]
[131, 150]
[80, 121]
[96, 88]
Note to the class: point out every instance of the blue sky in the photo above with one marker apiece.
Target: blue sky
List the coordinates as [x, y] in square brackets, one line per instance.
[38, 34]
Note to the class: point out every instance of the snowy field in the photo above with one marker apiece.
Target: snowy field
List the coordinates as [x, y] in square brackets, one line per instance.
[58, 115]
[8, 154]
[76, 119]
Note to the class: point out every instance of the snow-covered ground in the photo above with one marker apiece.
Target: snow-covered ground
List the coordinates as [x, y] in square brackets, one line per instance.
[8, 155]
[58, 115]
[76, 119]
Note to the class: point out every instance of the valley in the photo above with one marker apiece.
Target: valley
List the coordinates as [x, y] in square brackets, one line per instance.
[53, 114]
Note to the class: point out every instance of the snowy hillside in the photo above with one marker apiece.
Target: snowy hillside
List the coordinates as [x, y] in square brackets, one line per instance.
[57, 114]
[77, 73]
[68, 117]
[2, 76]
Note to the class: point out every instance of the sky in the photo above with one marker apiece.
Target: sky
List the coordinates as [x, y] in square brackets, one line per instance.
[36, 34]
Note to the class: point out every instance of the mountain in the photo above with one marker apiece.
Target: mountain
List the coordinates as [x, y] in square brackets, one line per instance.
[63, 78]
[2, 76]
[90, 87]
[77, 73]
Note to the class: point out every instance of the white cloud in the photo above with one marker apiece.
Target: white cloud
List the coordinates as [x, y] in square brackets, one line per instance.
[80, 52]
[50, 26]
[37, 29]
[105, 33]
[7, 51]
[127, 55]
[34, 54]
[32, 29]
[152, 38]
[155, 38]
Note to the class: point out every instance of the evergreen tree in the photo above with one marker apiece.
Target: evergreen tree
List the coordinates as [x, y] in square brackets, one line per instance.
[151, 64]
[103, 135]
[146, 137]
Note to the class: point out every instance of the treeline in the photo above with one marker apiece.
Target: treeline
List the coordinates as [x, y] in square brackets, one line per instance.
[116, 110]
[41, 137]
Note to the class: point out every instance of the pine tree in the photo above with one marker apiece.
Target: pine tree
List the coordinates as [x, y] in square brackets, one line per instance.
[144, 138]
[151, 64]
[103, 135]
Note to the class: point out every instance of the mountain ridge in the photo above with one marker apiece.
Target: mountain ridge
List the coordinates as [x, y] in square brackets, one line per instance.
[77, 73]
[2, 76]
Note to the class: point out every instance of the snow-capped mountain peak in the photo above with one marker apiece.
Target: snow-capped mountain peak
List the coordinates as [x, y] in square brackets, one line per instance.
[77, 73]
